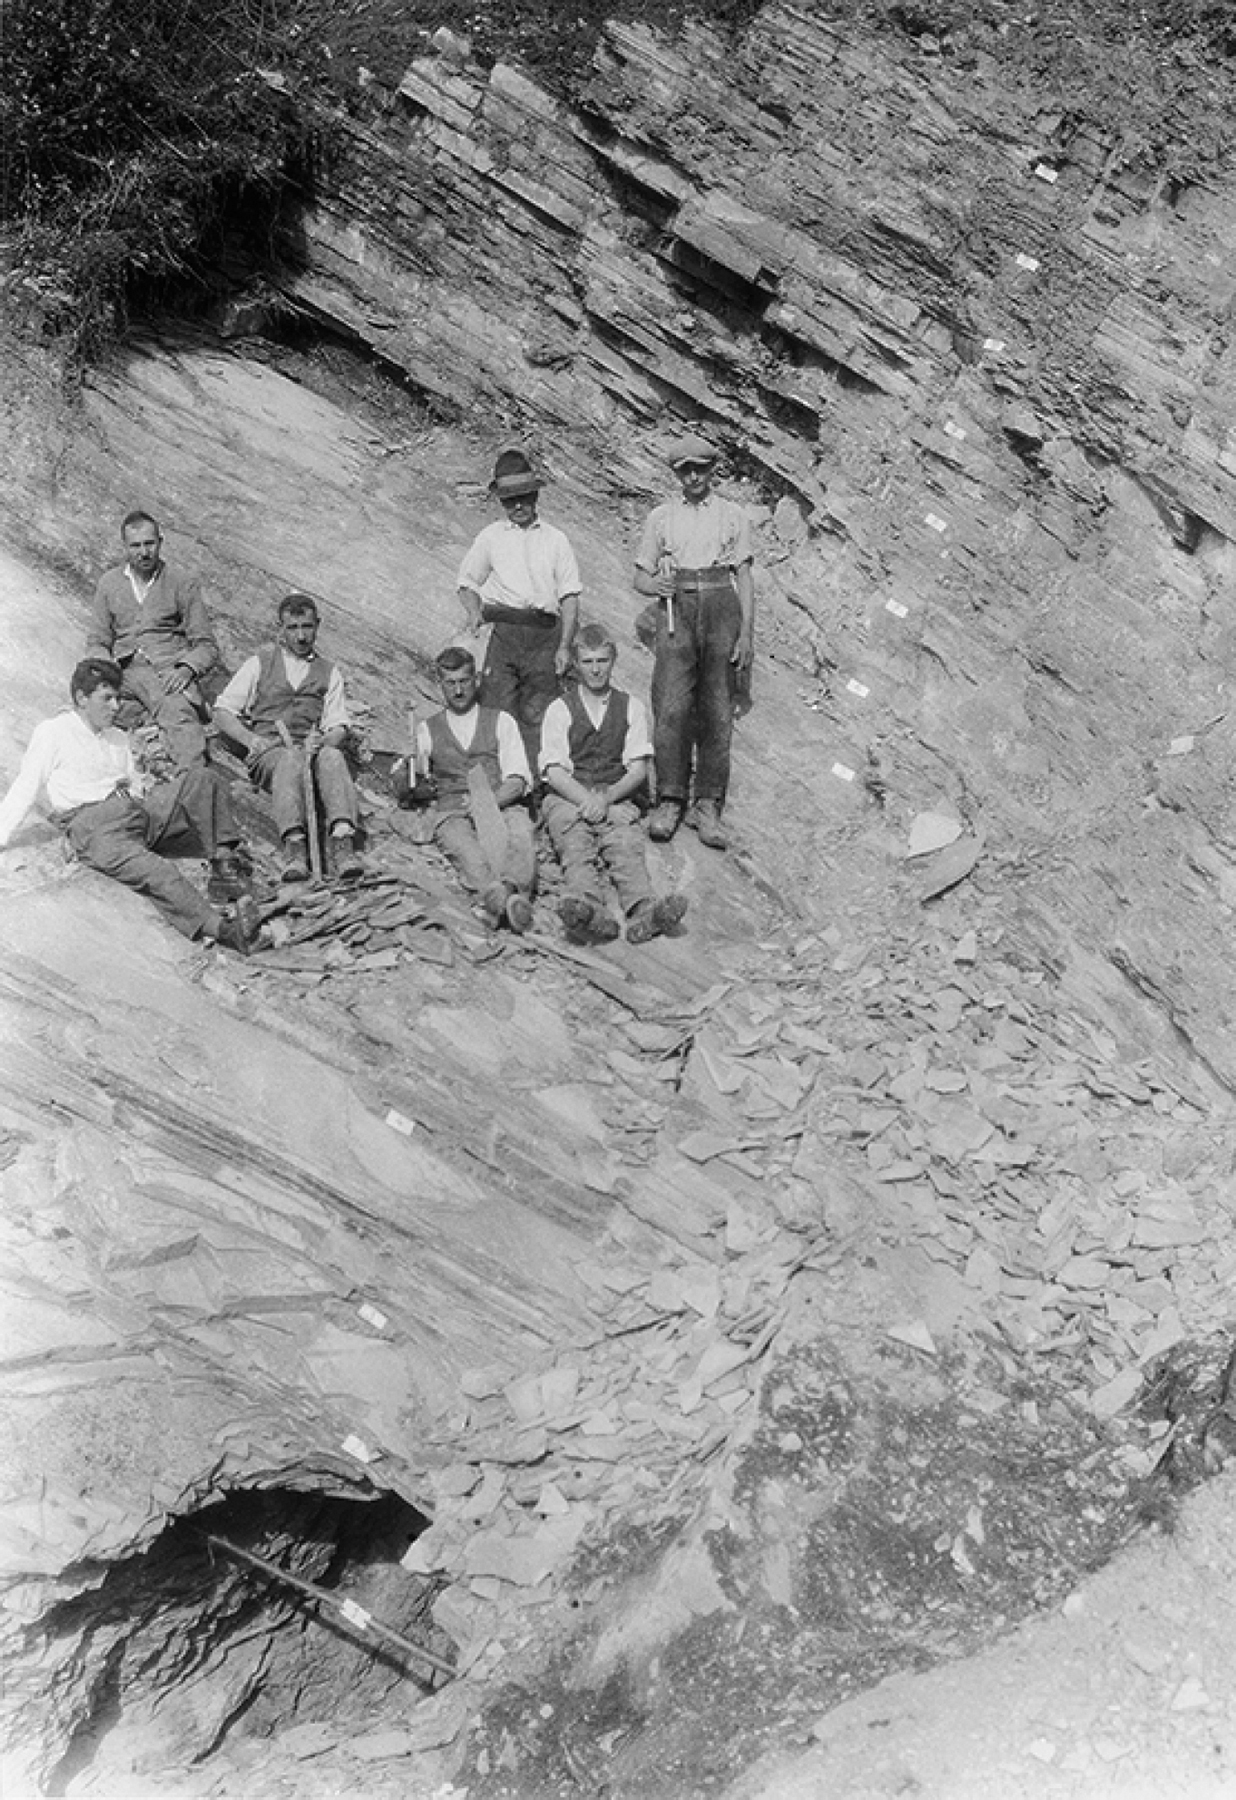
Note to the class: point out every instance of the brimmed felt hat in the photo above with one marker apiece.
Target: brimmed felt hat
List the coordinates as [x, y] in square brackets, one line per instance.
[514, 475]
[690, 449]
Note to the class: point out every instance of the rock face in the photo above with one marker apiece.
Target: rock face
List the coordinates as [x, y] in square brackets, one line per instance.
[677, 1246]
[970, 352]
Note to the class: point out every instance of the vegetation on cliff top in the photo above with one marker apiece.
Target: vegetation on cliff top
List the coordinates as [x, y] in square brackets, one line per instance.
[152, 150]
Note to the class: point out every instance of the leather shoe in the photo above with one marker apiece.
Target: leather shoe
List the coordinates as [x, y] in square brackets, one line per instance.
[653, 918]
[240, 926]
[585, 923]
[345, 857]
[665, 821]
[229, 875]
[296, 857]
[519, 913]
[705, 820]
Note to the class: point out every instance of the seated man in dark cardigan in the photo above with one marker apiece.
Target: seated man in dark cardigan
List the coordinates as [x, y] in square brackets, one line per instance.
[291, 684]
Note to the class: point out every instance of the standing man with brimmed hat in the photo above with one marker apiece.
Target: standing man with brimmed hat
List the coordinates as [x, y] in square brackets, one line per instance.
[520, 576]
[695, 557]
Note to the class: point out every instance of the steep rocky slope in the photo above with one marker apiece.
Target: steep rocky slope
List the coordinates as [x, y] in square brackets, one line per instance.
[764, 1313]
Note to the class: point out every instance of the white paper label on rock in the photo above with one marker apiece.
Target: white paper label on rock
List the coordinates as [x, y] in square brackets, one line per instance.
[1027, 262]
[954, 430]
[936, 522]
[896, 608]
[857, 687]
[357, 1447]
[372, 1316]
[400, 1122]
[932, 831]
[356, 1615]
[842, 773]
[993, 344]
[1046, 173]
[915, 1334]
[1180, 746]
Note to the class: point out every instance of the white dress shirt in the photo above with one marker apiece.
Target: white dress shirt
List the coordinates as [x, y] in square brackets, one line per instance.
[69, 765]
[528, 568]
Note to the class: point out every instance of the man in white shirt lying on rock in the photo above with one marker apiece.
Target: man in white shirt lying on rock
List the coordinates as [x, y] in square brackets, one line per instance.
[83, 768]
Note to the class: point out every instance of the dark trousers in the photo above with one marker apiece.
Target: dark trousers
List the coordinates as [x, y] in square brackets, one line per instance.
[120, 837]
[693, 692]
[519, 675]
[143, 694]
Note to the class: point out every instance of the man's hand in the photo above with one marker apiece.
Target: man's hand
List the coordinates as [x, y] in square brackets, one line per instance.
[594, 810]
[664, 582]
[177, 679]
[743, 651]
[314, 741]
[562, 660]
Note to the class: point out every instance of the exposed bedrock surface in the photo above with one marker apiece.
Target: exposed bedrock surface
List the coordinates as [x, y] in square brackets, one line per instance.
[768, 1310]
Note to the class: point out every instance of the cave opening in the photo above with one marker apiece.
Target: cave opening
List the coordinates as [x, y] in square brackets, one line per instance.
[267, 1608]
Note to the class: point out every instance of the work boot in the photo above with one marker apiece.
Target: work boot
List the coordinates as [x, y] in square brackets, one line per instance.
[240, 926]
[653, 918]
[584, 922]
[665, 821]
[493, 904]
[295, 857]
[705, 820]
[518, 912]
[229, 874]
[345, 856]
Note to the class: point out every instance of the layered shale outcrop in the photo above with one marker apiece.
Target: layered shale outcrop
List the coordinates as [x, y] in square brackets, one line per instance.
[750, 1304]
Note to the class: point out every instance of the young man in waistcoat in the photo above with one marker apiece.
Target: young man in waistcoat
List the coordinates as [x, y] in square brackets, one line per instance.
[520, 576]
[451, 744]
[290, 683]
[82, 767]
[153, 624]
[595, 751]
[695, 557]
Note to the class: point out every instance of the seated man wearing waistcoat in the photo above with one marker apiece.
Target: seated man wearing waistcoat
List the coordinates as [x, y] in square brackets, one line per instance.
[290, 684]
[595, 751]
[450, 746]
[695, 557]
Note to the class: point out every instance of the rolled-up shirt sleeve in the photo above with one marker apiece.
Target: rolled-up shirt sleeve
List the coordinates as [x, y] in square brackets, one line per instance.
[566, 568]
[556, 737]
[335, 715]
[637, 742]
[652, 543]
[238, 696]
[477, 564]
[512, 757]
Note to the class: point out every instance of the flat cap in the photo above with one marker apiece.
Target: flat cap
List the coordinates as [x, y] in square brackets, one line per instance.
[689, 449]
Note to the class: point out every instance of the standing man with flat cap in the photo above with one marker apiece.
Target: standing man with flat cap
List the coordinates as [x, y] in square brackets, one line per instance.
[695, 557]
[153, 624]
[520, 575]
